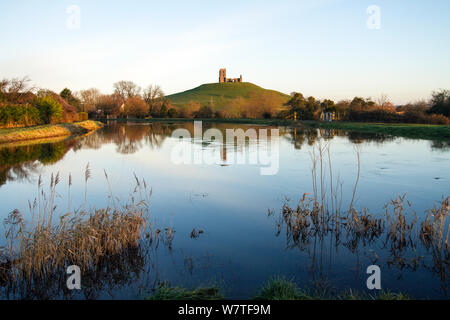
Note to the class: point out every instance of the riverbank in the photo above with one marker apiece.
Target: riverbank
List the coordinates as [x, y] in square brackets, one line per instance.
[277, 288]
[48, 131]
[407, 130]
[274, 122]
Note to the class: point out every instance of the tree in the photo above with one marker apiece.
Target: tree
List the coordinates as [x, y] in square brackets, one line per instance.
[328, 106]
[296, 104]
[89, 99]
[205, 112]
[163, 111]
[358, 103]
[383, 100]
[126, 90]
[152, 95]
[50, 111]
[13, 90]
[440, 103]
[109, 104]
[136, 107]
[303, 108]
[342, 108]
[311, 108]
[67, 95]
[172, 113]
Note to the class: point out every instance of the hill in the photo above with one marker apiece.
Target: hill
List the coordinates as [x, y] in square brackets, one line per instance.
[224, 95]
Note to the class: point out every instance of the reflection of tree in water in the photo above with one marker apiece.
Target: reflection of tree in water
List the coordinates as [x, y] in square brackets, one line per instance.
[361, 137]
[19, 162]
[128, 137]
[299, 135]
[296, 136]
[440, 145]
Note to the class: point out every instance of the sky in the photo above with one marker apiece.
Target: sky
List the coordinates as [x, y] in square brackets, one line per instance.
[334, 49]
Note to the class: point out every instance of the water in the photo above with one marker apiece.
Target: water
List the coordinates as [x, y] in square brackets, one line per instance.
[240, 248]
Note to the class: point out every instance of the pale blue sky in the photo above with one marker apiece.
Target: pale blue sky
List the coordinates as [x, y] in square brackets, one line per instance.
[318, 47]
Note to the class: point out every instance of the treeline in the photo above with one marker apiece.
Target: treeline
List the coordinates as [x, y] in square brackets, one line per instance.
[127, 100]
[436, 111]
[23, 106]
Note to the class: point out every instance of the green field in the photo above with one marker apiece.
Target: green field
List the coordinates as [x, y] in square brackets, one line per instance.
[221, 94]
[409, 130]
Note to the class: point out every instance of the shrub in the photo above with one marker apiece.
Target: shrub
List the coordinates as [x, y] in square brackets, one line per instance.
[50, 111]
[19, 116]
[388, 115]
[279, 288]
[83, 116]
[136, 107]
[204, 112]
[440, 103]
[163, 111]
[164, 292]
[219, 115]
[172, 113]
[267, 115]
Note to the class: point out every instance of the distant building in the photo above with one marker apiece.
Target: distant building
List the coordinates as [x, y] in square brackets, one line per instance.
[328, 116]
[223, 77]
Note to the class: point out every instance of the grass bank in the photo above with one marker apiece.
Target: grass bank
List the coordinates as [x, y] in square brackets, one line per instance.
[408, 130]
[276, 288]
[48, 131]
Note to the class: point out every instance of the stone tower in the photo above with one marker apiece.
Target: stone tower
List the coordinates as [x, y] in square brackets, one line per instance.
[222, 75]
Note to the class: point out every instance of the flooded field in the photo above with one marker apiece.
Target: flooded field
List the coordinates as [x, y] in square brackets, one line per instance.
[320, 219]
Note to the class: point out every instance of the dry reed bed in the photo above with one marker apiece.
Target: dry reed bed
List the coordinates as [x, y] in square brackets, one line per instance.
[46, 246]
[320, 215]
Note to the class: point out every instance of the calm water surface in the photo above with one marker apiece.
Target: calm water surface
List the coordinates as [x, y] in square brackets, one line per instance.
[240, 247]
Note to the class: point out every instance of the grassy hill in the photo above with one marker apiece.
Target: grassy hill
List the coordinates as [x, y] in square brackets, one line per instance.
[222, 95]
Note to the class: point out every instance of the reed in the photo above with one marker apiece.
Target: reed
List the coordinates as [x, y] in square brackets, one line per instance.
[37, 250]
[433, 231]
[320, 215]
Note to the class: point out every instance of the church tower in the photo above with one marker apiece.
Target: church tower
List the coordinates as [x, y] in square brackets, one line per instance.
[222, 75]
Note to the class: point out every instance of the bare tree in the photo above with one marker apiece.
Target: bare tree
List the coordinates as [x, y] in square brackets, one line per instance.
[126, 90]
[4, 86]
[15, 88]
[109, 104]
[89, 99]
[136, 107]
[383, 100]
[152, 95]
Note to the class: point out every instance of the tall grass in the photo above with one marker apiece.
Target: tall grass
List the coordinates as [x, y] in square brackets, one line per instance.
[40, 249]
[320, 215]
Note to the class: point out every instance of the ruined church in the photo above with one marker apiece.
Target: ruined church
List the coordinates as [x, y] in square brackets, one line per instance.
[223, 77]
